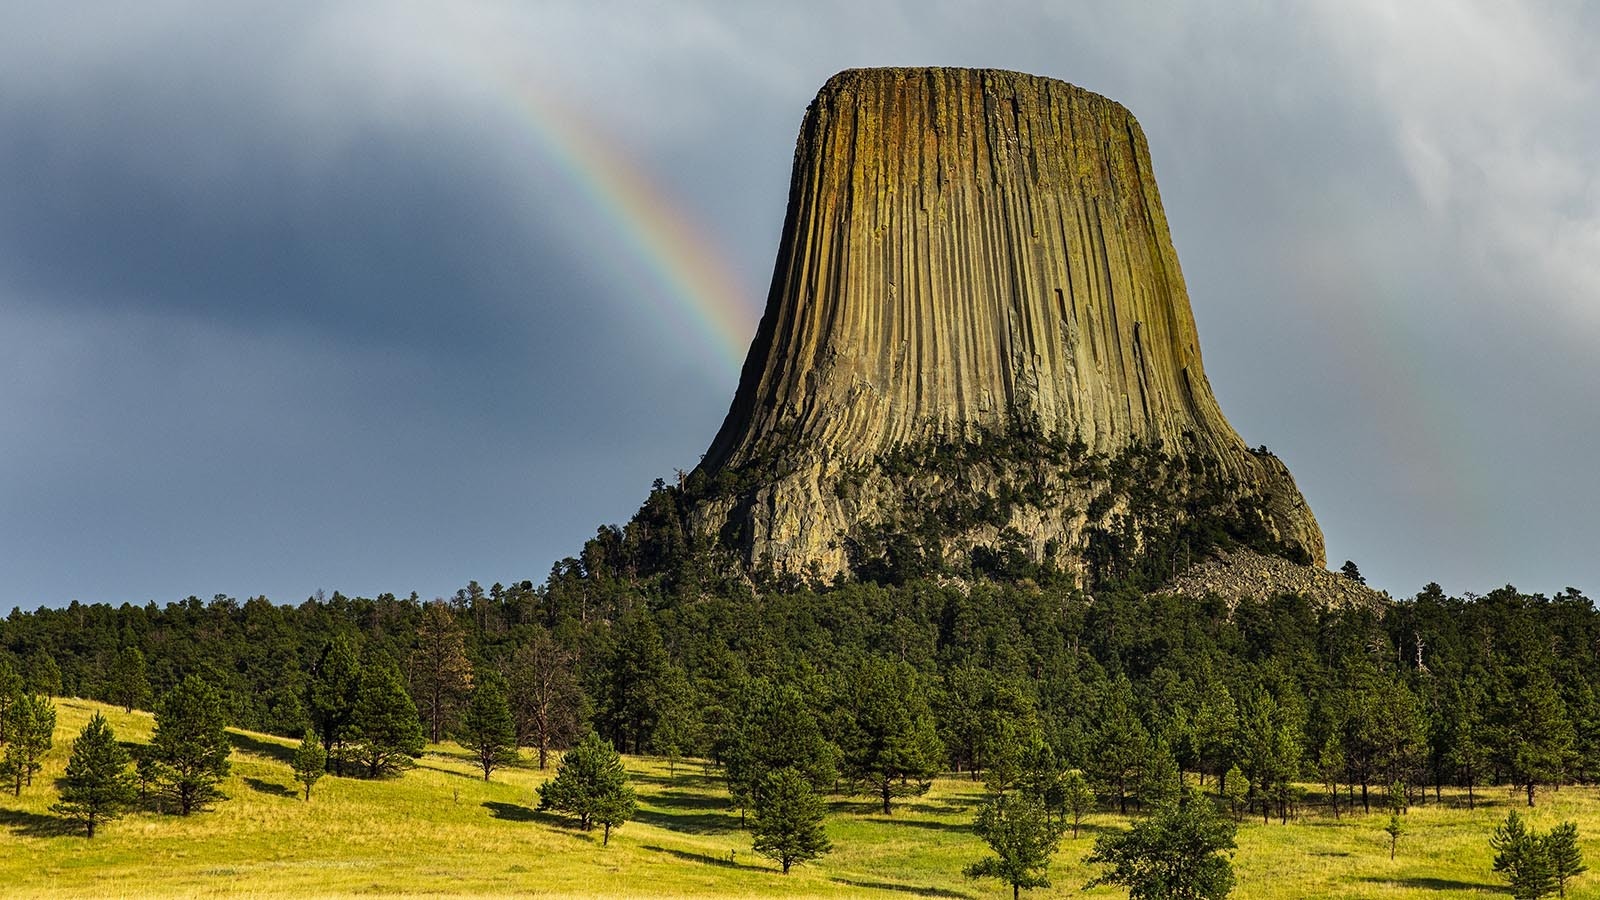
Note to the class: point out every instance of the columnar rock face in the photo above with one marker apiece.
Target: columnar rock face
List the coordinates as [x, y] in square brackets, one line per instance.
[969, 255]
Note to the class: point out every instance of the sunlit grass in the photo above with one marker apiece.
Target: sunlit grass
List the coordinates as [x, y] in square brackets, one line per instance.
[441, 831]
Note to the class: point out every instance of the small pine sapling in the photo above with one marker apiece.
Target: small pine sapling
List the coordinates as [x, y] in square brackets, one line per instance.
[1397, 805]
[1523, 859]
[1566, 860]
[1078, 798]
[1394, 829]
[310, 762]
[788, 820]
[1236, 790]
[591, 784]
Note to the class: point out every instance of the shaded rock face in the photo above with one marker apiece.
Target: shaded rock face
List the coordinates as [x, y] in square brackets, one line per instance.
[974, 258]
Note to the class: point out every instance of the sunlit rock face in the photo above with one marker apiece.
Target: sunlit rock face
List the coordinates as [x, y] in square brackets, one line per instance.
[976, 259]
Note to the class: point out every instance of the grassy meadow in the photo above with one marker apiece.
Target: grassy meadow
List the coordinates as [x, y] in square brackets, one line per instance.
[441, 831]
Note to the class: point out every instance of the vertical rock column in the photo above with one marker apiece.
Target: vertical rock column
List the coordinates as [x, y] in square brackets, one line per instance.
[966, 250]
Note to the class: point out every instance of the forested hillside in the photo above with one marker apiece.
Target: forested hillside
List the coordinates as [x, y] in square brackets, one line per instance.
[1431, 690]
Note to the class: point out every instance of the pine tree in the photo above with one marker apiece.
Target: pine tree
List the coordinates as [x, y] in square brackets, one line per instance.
[545, 698]
[441, 674]
[1121, 743]
[1175, 854]
[1397, 805]
[1465, 733]
[11, 690]
[788, 820]
[1160, 782]
[1533, 733]
[147, 773]
[890, 746]
[637, 674]
[674, 733]
[97, 787]
[310, 762]
[190, 745]
[1522, 858]
[128, 683]
[1394, 829]
[43, 675]
[1236, 789]
[31, 726]
[486, 727]
[1216, 723]
[959, 704]
[677, 722]
[1566, 860]
[1042, 776]
[774, 729]
[1023, 840]
[1330, 763]
[1078, 798]
[613, 810]
[1270, 747]
[591, 784]
[385, 732]
[331, 698]
[987, 724]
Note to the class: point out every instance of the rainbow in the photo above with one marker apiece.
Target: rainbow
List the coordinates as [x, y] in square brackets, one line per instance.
[702, 300]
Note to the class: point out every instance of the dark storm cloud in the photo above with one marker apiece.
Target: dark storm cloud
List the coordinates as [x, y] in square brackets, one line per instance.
[300, 297]
[273, 324]
[174, 181]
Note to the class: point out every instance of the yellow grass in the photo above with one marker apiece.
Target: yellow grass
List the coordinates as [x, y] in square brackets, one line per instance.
[441, 831]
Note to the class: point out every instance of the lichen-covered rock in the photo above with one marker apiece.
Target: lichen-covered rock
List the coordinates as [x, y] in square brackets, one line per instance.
[970, 254]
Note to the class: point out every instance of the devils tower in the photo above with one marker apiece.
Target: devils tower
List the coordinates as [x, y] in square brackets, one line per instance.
[978, 348]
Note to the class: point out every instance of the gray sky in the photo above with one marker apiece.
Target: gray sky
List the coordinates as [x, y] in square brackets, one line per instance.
[361, 296]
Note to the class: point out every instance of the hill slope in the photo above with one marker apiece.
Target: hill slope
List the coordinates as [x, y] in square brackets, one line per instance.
[439, 831]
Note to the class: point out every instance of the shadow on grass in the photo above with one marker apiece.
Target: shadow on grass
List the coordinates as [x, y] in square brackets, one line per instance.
[901, 888]
[943, 808]
[850, 806]
[686, 778]
[568, 825]
[680, 800]
[31, 824]
[267, 787]
[512, 812]
[706, 858]
[924, 823]
[470, 776]
[522, 761]
[689, 823]
[251, 744]
[1441, 884]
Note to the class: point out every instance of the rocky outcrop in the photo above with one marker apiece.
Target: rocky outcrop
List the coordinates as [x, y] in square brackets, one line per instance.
[976, 258]
[1241, 574]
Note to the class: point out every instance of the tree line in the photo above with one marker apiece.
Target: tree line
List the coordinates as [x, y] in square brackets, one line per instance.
[1059, 699]
[1257, 697]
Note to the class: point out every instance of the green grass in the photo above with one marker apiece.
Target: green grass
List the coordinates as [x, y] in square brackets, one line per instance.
[441, 831]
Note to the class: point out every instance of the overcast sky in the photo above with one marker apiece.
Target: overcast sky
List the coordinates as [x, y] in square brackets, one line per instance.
[309, 296]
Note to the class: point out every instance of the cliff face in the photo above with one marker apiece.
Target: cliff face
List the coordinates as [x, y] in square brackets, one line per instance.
[971, 257]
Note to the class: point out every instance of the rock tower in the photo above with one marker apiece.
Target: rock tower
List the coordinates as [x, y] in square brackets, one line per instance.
[978, 344]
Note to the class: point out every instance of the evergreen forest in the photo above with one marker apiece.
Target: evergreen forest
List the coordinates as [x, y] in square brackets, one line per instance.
[663, 648]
